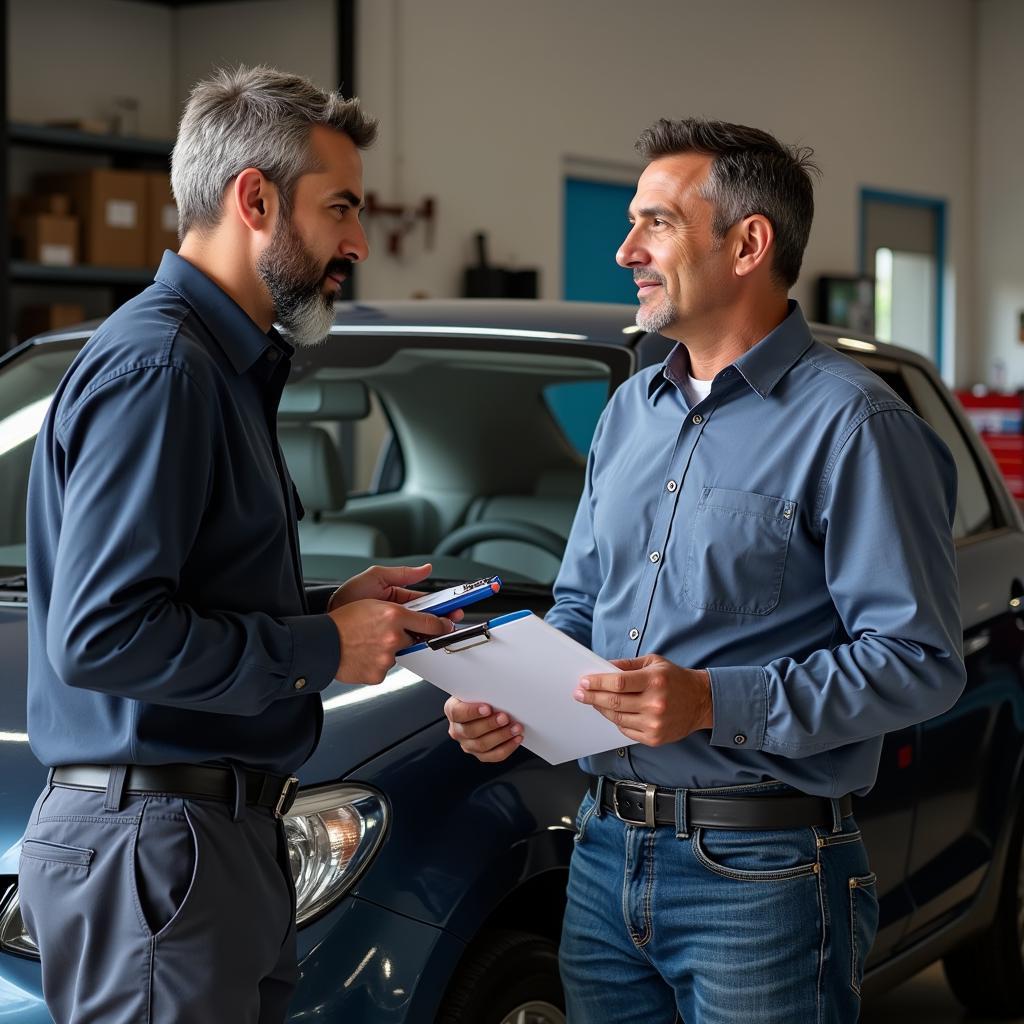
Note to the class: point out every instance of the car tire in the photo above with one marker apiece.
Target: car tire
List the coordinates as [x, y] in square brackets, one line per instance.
[986, 973]
[506, 977]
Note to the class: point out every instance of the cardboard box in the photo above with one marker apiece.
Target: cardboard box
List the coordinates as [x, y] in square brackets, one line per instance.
[49, 238]
[36, 319]
[111, 206]
[161, 218]
[46, 202]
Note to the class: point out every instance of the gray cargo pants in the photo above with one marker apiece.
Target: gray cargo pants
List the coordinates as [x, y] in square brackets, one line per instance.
[164, 911]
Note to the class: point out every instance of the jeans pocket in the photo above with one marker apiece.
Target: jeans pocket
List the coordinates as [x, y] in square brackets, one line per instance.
[739, 541]
[863, 924]
[757, 856]
[165, 861]
[587, 808]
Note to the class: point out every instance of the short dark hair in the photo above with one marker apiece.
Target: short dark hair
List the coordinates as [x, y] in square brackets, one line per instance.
[752, 173]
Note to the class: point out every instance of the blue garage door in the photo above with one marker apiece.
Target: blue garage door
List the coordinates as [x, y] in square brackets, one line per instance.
[595, 225]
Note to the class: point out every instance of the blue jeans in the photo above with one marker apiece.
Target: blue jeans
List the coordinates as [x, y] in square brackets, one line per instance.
[721, 926]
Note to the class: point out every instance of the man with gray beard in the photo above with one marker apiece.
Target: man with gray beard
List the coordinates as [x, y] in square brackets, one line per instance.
[175, 659]
[763, 549]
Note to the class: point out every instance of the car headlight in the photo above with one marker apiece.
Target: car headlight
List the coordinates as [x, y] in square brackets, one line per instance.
[13, 936]
[333, 834]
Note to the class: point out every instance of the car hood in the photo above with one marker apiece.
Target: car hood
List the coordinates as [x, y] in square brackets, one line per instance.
[360, 722]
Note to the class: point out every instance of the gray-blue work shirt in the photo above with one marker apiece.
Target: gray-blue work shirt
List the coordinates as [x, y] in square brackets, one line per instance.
[167, 617]
[792, 534]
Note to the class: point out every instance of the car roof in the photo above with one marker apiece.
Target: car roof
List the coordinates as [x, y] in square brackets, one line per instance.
[604, 322]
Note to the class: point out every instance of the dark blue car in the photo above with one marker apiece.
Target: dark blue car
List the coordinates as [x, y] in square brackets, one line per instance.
[431, 887]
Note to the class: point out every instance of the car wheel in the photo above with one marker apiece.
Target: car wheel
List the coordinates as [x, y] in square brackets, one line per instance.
[987, 973]
[506, 977]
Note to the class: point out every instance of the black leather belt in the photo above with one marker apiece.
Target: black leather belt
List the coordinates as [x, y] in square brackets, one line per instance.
[188, 780]
[638, 803]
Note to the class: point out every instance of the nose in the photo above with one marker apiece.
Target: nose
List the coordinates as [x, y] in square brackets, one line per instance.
[354, 245]
[631, 253]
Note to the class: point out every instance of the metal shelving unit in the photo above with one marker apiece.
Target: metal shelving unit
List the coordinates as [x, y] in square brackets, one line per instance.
[121, 152]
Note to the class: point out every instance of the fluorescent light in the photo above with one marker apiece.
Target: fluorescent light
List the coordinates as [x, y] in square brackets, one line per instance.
[861, 346]
[473, 332]
[23, 424]
[13, 737]
[632, 329]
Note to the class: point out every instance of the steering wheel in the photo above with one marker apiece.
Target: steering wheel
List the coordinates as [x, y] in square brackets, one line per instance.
[501, 529]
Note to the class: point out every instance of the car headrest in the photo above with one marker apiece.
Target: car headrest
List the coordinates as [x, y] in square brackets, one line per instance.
[315, 466]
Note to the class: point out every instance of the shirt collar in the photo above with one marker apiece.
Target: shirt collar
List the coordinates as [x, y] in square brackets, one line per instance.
[762, 366]
[233, 329]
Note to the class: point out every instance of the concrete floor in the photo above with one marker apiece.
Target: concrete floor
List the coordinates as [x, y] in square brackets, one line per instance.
[924, 999]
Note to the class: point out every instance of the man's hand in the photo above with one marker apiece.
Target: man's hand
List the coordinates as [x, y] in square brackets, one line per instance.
[384, 583]
[486, 734]
[372, 631]
[651, 700]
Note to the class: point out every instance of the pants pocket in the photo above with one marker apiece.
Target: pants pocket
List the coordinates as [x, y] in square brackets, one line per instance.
[863, 925]
[58, 853]
[165, 860]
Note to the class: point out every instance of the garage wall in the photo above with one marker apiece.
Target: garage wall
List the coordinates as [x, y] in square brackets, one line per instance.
[483, 101]
[294, 35]
[1000, 192]
[68, 58]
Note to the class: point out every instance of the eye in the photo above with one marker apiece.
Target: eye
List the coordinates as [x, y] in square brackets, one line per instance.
[341, 209]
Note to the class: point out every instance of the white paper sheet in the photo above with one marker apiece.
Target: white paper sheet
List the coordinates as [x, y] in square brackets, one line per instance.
[530, 670]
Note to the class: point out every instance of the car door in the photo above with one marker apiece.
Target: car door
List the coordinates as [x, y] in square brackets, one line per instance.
[967, 756]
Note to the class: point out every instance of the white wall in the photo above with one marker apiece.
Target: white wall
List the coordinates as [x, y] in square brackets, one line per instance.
[483, 100]
[1000, 189]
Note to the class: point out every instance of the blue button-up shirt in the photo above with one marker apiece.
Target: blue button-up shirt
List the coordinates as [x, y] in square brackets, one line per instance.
[792, 534]
[167, 617]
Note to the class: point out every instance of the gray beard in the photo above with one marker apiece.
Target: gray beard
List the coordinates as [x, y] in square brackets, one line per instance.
[654, 319]
[295, 281]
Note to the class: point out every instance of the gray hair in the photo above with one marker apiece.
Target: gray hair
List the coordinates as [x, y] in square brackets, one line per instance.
[752, 173]
[253, 117]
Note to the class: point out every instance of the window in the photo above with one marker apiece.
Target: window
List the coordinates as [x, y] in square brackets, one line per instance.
[576, 407]
[974, 512]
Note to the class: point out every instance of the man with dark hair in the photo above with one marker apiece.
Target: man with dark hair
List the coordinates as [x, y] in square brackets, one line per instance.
[764, 550]
[175, 660]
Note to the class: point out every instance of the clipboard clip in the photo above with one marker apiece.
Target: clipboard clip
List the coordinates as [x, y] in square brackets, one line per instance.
[447, 643]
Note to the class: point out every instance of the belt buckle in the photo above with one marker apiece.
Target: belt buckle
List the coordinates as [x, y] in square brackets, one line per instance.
[650, 790]
[287, 797]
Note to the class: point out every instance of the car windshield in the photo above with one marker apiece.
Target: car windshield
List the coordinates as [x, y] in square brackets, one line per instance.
[469, 452]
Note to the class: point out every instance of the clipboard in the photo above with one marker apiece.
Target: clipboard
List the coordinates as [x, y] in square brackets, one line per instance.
[519, 664]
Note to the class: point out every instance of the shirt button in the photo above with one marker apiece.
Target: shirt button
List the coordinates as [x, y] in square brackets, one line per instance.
[739, 739]
[634, 634]
[671, 486]
[697, 418]
[621, 751]
[655, 556]
[300, 683]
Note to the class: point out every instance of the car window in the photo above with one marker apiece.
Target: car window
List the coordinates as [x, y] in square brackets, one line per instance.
[576, 407]
[26, 389]
[974, 511]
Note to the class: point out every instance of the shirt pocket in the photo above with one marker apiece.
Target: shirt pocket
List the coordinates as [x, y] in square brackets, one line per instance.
[737, 551]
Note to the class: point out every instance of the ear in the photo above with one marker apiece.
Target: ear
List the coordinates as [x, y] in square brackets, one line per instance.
[254, 199]
[754, 241]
